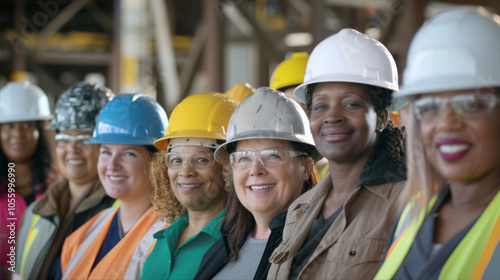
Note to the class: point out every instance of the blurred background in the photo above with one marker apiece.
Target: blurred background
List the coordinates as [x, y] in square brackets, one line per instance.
[169, 49]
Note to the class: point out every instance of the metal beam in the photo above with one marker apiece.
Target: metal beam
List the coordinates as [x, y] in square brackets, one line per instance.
[188, 69]
[100, 17]
[213, 59]
[491, 3]
[61, 18]
[263, 38]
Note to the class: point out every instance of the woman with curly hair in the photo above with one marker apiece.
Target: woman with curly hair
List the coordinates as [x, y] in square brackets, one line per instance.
[338, 230]
[188, 186]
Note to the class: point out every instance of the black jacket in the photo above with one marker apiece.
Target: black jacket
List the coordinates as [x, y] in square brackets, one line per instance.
[218, 255]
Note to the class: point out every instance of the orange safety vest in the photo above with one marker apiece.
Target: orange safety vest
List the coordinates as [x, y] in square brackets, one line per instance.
[125, 260]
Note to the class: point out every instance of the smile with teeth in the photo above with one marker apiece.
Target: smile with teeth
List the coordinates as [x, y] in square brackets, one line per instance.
[450, 149]
[189, 185]
[116, 178]
[262, 187]
[75, 161]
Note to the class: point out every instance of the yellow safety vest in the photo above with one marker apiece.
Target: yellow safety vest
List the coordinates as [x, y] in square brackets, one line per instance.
[477, 256]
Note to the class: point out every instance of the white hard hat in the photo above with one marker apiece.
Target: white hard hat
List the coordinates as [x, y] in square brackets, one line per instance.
[458, 49]
[23, 101]
[268, 114]
[352, 57]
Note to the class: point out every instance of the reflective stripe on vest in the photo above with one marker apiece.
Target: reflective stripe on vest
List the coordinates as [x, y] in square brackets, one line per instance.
[32, 233]
[477, 256]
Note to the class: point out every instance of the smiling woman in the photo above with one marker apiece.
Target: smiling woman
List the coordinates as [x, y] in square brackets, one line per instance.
[77, 196]
[120, 236]
[338, 229]
[23, 109]
[270, 155]
[188, 187]
[450, 228]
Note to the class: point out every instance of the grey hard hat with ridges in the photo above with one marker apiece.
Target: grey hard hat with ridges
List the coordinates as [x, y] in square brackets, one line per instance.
[79, 106]
[269, 114]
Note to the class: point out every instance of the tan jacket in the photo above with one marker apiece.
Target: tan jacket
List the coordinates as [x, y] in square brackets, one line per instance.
[353, 246]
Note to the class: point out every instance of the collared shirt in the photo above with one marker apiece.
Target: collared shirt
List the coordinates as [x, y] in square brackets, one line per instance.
[167, 262]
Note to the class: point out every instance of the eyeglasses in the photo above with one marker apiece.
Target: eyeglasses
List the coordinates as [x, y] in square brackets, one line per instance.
[270, 157]
[64, 141]
[427, 108]
[198, 160]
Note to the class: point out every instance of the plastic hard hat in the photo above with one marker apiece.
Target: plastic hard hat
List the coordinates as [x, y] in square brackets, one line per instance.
[135, 119]
[203, 115]
[458, 49]
[240, 91]
[352, 57]
[23, 101]
[79, 106]
[269, 114]
[290, 72]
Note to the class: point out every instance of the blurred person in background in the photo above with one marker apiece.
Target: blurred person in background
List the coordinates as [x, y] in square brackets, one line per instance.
[73, 199]
[270, 155]
[26, 168]
[450, 228]
[188, 187]
[115, 243]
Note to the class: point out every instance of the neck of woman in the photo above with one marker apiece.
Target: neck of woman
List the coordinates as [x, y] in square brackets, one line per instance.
[199, 219]
[475, 194]
[76, 190]
[261, 230]
[132, 211]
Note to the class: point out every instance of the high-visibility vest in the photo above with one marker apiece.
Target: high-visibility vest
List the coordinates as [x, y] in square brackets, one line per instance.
[124, 261]
[477, 256]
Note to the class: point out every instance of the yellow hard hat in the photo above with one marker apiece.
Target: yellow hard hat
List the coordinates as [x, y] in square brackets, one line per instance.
[203, 115]
[290, 72]
[240, 91]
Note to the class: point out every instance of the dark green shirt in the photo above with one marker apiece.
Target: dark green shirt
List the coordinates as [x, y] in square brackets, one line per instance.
[166, 262]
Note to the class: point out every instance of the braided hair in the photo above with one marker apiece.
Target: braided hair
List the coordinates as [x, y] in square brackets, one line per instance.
[393, 138]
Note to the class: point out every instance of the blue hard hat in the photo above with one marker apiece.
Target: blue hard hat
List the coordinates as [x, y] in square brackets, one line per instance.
[135, 119]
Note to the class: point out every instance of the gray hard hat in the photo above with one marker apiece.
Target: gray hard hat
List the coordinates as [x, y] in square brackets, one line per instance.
[79, 106]
[269, 114]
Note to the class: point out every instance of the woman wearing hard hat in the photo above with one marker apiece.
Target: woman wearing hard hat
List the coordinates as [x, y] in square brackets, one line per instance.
[77, 196]
[25, 161]
[270, 155]
[338, 229]
[188, 187]
[114, 244]
[450, 229]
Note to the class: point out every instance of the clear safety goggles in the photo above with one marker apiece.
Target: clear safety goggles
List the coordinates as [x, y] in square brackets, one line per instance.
[64, 141]
[198, 160]
[428, 108]
[269, 157]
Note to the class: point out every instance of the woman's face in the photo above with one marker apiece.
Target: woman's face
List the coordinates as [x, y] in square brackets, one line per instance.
[123, 170]
[197, 189]
[343, 121]
[462, 148]
[269, 190]
[78, 161]
[19, 140]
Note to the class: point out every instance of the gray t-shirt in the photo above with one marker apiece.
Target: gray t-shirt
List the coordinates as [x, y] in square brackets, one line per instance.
[247, 263]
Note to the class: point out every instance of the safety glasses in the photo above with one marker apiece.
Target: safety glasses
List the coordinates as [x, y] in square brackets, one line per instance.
[64, 141]
[269, 157]
[428, 108]
[198, 160]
